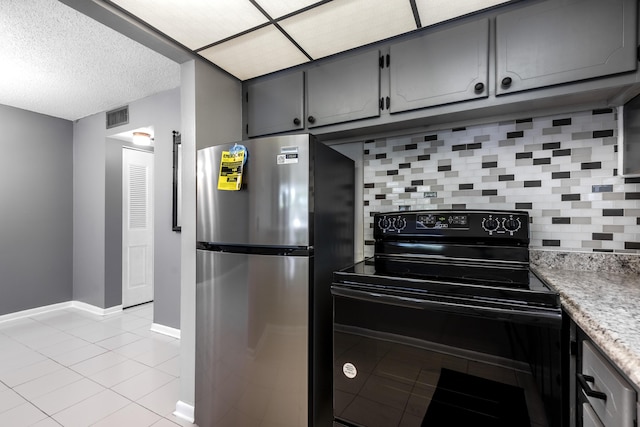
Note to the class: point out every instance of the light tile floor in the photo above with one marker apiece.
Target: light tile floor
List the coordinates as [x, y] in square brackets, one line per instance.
[72, 368]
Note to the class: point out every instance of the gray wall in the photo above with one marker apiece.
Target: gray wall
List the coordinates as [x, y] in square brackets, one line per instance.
[36, 189]
[211, 114]
[89, 151]
[98, 207]
[113, 223]
[162, 111]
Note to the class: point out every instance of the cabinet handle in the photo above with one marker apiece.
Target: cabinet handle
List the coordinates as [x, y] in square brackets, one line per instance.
[506, 82]
[584, 380]
[311, 119]
[296, 121]
[479, 87]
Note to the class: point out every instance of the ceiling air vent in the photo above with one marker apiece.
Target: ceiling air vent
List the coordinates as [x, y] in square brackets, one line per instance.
[117, 117]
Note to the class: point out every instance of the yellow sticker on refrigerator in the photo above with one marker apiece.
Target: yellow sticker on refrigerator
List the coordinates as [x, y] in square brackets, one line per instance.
[231, 170]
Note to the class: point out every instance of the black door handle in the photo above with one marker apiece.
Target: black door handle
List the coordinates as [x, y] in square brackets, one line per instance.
[506, 82]
[479, 87]
[296, 121]
[584, 380]
[311, 119]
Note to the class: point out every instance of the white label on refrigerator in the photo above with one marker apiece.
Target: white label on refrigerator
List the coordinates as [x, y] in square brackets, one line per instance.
[285, 159]
[349, 370]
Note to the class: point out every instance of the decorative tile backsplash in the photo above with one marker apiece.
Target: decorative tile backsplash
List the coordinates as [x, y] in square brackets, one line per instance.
[561, 169]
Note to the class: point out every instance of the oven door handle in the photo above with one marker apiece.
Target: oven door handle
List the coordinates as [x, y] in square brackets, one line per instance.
[517, 314]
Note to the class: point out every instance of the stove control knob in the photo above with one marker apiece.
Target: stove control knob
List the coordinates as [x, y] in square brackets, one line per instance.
[490, 224]
[512, 224]
[384, 223]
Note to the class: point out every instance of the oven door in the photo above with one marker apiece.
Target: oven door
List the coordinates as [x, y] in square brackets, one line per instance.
[402, 359]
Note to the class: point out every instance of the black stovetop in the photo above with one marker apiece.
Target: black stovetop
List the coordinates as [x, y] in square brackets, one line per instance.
[470, 254]
[363, 275]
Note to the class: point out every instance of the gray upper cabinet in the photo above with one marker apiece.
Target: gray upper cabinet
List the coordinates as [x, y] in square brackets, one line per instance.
[343, 90]
[550, 54]
[442, 67]
[562, 41]
[275, 105]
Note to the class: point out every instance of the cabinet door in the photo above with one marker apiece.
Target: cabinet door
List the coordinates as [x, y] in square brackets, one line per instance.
[589, 418]
[618, 406]
[439, 68]
[344, 90]
[275, 105]
[557, 42]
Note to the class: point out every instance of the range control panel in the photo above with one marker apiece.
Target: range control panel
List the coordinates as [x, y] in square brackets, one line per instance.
[459, 223]
[442, 221]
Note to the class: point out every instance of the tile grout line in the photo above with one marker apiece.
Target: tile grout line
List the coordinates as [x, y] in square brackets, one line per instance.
[42, 322]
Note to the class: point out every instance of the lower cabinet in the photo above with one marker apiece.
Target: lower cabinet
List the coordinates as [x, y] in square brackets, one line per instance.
[604, 397]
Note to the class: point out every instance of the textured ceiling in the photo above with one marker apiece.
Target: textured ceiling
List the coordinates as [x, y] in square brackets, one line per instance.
[59, 62]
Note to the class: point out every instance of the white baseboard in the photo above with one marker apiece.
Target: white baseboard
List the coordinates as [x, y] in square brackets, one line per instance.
[60, 306]
[96, 310]
[34, 311]
[165, 330]
[184, 411]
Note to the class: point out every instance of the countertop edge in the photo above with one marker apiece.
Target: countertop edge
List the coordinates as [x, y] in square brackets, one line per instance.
[608, 340]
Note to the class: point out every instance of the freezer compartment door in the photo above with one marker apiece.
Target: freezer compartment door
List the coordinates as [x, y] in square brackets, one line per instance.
[252, 316]
[272, 207]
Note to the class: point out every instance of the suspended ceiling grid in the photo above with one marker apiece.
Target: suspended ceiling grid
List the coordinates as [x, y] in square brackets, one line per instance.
[250, 38]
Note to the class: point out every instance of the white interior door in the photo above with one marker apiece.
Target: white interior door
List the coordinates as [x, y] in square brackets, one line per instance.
[137, 227]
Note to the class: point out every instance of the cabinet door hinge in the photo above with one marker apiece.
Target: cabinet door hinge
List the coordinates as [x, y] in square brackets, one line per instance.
[388, 58]
[246, 97]
[381, 62]
[247, 128]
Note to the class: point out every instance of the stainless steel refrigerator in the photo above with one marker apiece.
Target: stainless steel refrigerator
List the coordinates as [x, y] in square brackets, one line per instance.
[265, 257]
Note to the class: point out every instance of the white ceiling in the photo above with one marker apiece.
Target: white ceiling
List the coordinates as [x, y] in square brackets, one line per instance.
[249, 38]
[60, 62]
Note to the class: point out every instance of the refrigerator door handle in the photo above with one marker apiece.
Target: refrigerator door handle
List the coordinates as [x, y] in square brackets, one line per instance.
[257, 250]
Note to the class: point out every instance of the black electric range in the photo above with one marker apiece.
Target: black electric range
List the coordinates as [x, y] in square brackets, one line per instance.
[453, 286]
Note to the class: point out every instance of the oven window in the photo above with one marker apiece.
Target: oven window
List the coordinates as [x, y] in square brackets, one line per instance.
[399, 366]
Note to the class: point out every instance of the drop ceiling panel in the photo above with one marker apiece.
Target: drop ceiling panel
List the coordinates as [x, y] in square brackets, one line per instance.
[196, 23]
[279, 8]
[260, 52]
[342, 25]
[434, 11]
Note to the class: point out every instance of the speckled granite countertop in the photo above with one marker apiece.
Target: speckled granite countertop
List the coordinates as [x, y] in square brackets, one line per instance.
[605, 304]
